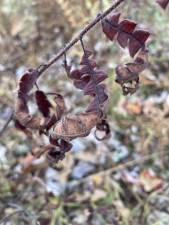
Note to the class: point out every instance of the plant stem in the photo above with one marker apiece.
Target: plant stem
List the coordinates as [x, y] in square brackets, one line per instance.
[6, 123]
[92, 74]
[69, 45]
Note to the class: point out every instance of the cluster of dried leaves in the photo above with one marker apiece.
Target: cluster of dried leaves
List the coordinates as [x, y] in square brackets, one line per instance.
[127, 35]
[65, 127]
[60, 128]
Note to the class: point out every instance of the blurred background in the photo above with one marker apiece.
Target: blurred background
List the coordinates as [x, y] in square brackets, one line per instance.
[120, 181]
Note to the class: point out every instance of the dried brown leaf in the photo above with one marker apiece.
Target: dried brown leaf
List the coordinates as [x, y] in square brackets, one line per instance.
[73, 126]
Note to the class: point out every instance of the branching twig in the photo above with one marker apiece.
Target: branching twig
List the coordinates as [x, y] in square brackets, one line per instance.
[79, 36]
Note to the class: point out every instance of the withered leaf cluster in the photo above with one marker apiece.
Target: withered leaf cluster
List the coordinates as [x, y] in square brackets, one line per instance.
[128, 36]
[126, 33]
[88, 78]
[52, 120]
[128, 75]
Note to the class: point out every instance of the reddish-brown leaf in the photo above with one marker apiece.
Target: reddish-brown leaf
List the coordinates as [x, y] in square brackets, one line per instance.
[27, 81]
[75, 74]
[81, 83]
[137, 41]
[110, 25]
[21, 109]
[43, 103]
[65, 145]
[163, 3]
[126, 28]
[99, 77]
[21, 104]
[126, 33]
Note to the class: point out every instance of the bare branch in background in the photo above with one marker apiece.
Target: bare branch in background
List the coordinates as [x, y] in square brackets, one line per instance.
[7, 123]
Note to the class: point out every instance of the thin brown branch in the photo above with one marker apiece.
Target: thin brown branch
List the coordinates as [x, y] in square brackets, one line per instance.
[93, 78]
[93, 23]
[123, 166]
[6, 123]
[7, 218]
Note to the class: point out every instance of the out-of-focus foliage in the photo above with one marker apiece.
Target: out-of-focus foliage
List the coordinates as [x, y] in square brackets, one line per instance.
[93, 185]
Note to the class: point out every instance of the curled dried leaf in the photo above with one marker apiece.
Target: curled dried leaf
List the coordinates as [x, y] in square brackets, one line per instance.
[60, 105]
[20, 127]
[73, 126]
[55, 151]
[128, 74]
[43, 103]
[22, 115]
[27, 81]
[52, 153]
[28, 121]
[104, 129]
[58, 111]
